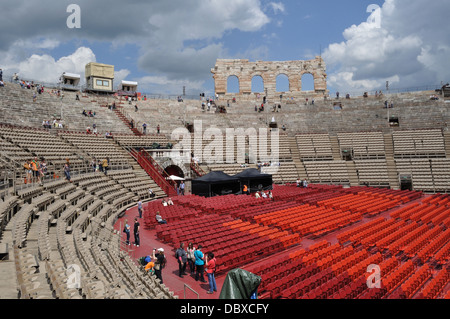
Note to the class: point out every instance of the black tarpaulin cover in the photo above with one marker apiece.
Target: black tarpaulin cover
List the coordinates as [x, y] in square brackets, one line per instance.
[239, 284]
[214, 184]
[253, 178]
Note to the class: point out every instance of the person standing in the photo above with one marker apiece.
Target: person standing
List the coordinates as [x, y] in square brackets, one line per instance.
[126, 230]
[160, 262]
[182, 188]
[181, 257]
[191, 257]
[140, 208]
[105, 166]
[144, 128]
[67, 171]
[210, 271]
[137, 240]
[158, 129]
[199, 264]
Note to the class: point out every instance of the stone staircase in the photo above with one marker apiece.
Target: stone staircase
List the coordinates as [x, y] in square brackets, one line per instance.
[352, 175]
[447, 143]
[296, 158]
[335, 147]
[390, 162]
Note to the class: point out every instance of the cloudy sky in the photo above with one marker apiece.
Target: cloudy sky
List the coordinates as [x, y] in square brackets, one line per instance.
[165, 45]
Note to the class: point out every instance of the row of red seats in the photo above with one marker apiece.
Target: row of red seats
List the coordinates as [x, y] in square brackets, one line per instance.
[422, 214]
[398, 213]
[443, 199]
[329, 288]
[296, 291]
[436, 285]
[434, 245]
[292, 280]
[398, 245]
[438, 220]
[244, 253]
[353, 290]
[413, 284]
[358, 237]
[333, 223]
[335, 257]
[417, 244]
[443, 255]
[350, 261]
[326, 221]
[387, 266]
[361, 267]
[314, 256]
[272, 280]
[383, 243]
[388, 227]
[248, 213]
[393, 280]
[345, 236]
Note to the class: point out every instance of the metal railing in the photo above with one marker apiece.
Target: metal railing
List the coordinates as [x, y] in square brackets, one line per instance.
[156, 172]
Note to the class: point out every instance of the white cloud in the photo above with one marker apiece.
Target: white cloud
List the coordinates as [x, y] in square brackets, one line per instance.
[277, 7]
[46, 69]
[410, 47]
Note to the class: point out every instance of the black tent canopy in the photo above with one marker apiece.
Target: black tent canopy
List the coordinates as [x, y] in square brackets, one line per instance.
[255, 180]
[216, 183]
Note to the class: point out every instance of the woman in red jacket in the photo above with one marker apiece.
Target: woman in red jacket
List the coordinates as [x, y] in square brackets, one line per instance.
[210, 270]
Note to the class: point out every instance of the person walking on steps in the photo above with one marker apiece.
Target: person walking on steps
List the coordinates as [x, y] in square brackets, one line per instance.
[160, 263]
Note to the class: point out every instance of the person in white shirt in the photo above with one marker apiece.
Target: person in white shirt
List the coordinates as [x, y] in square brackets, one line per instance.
[264, 195]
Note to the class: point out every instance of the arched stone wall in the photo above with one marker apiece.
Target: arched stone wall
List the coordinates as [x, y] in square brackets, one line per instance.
[269, 71]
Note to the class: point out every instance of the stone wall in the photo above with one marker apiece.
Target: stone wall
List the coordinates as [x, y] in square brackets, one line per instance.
[269, 71]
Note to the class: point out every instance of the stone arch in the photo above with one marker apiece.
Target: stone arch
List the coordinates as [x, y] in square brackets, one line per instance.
[282, 83]
[177, 165]
[233, 84]
[307, 82]
[257, 83]
[175, 170]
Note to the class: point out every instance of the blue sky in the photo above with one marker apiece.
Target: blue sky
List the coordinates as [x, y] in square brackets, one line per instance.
[165, 45]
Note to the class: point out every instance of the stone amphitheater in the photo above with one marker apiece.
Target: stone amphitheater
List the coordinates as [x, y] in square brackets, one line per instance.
[46, 229]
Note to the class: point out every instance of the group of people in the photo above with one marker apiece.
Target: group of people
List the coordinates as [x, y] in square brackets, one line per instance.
[35, 170]
[100, 165]
[302, 183]
[262, 194]
[199, 263]
[180, 188]
[88, 114]
[388, 105]
[56, 123]
[169, 202]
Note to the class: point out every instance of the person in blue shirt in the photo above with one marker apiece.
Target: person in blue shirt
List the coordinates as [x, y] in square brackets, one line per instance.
[199, 264]
[127, 232]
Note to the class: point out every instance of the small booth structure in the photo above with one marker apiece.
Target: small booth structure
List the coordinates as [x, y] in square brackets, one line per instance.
[70, 81]
[128, 88]
[99, 77]
[255, 180]
[215, 184]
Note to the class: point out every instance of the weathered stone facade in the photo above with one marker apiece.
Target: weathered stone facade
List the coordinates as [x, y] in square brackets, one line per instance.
[269, 71]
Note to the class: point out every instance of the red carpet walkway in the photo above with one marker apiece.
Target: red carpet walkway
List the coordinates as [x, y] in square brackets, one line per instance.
[170, 272]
